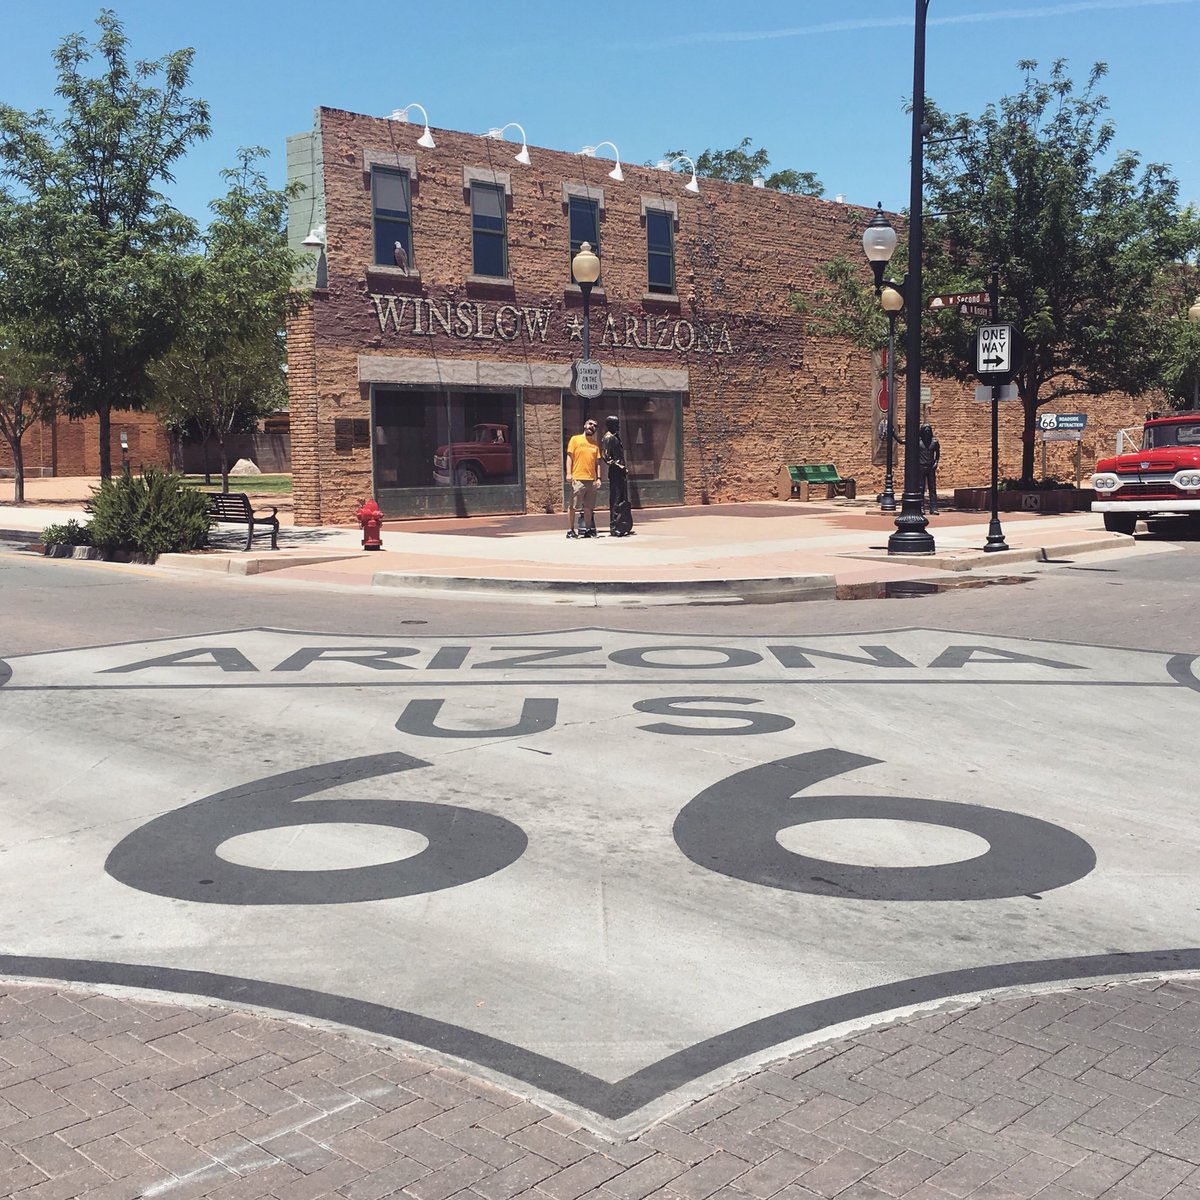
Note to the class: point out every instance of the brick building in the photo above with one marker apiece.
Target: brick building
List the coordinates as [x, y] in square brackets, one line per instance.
[441, 386]
[65, 447]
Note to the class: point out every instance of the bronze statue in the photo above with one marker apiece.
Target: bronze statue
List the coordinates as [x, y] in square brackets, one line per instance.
[620, 515]
[930, 455]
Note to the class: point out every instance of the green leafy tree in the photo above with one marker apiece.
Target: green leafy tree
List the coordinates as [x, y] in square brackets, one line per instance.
[1085, 237]
[27, 396]
[1093, 251]
[1181, 337]
[88, 243]
[741, 164]
[228, 367]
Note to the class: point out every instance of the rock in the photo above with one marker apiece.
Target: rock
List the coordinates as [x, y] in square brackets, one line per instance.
[244, 466]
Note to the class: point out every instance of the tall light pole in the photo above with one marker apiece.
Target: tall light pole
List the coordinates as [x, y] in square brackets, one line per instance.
[879, 243]
[892, 302]
[912, 535]
[585, 266]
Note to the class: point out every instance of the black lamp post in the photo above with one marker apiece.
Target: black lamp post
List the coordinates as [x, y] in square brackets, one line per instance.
[912, 535]
[585, 266]
[893, 302]
[879, 243]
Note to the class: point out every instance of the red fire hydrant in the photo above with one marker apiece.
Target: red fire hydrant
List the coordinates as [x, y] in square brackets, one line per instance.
[370, 517]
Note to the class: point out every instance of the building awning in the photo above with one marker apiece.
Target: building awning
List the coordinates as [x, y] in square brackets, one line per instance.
[457, 372]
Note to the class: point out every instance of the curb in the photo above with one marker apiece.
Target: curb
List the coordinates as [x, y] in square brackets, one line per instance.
[970, 560]
[250, 564]
[714, 591]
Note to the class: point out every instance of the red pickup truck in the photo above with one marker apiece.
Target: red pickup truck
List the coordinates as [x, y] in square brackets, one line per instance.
[1161, 479]
[488, 457]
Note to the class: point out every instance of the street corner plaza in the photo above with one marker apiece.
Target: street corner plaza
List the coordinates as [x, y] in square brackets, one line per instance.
[615, 868]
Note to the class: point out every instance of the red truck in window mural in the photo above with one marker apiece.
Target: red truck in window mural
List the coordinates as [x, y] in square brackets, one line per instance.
[486, 458]
[1162, 479]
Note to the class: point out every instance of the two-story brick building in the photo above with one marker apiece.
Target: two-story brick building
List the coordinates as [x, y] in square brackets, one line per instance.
[445, 315]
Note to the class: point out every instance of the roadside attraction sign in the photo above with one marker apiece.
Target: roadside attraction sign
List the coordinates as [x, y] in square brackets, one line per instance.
[1062, 427]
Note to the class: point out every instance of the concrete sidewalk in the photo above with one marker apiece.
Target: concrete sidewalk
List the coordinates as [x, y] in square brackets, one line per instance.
[770, 550]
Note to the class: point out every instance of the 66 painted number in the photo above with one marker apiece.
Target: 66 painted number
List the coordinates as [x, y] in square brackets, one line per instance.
[730, 827]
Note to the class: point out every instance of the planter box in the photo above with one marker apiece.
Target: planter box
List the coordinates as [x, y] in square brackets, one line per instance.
[1043, 500]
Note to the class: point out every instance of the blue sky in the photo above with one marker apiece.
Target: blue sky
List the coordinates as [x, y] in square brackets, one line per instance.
[820, 83]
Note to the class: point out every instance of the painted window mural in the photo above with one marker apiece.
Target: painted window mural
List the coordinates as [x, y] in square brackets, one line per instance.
[447, 451]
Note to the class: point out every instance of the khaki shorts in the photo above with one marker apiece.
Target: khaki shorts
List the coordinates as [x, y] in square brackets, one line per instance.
[583, 495]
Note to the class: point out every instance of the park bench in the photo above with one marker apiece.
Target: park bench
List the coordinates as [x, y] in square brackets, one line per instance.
[233, 508]
[795, 482]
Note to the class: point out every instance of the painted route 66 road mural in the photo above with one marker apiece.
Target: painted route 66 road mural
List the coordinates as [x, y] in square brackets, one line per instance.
[609, 866]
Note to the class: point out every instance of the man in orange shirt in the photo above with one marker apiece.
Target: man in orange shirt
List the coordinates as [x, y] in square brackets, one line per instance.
[583, 476]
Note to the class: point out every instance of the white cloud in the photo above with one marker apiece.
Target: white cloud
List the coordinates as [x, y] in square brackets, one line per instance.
[1004, 14]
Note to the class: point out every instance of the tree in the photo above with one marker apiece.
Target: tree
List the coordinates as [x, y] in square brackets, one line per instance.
[227, 368]
[93, 250]
[741, 165]
[1181, 355]
[27, 395]
[1085, 239]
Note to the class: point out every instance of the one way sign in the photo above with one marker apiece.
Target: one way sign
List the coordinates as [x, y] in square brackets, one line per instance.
[993, 353]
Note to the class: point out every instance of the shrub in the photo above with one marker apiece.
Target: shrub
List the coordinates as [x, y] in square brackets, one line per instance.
[151, 514]
[70, 534]
[1049, 484]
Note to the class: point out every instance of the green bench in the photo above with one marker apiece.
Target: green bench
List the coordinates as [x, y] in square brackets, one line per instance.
[796, 482]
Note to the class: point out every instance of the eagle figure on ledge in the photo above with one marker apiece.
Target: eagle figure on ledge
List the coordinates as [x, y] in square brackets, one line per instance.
[400, 257]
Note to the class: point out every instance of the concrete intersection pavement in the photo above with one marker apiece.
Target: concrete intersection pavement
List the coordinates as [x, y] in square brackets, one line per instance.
[770, 948]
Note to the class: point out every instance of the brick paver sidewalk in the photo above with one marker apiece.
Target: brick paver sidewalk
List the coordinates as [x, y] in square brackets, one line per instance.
[1082, 1093]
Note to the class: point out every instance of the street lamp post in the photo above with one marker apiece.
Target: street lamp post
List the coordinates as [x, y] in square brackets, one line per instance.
[892, 301]
[879, 244]
[912, 534]
[585, 267]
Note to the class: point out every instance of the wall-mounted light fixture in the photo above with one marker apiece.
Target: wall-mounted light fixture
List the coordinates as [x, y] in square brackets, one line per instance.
[616, 173]
[315, 239]
[426, 139]
[522, 155]
[666, 164]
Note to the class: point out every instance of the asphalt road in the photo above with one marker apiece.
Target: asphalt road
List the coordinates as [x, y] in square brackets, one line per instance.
[603, 861]
[1144, 599]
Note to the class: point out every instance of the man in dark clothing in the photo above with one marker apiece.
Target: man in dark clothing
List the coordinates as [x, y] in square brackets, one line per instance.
[930, 454]
[620, 515]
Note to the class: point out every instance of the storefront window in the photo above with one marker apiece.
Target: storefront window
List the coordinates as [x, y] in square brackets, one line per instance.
[651, 425]
[447, 451]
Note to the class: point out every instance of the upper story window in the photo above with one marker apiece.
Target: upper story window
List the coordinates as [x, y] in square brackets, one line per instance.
[584, 220]
[660, 251]
[488, 236]
[392, 217]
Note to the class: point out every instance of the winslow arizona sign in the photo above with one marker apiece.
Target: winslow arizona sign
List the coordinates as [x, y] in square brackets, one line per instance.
[476, 321]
